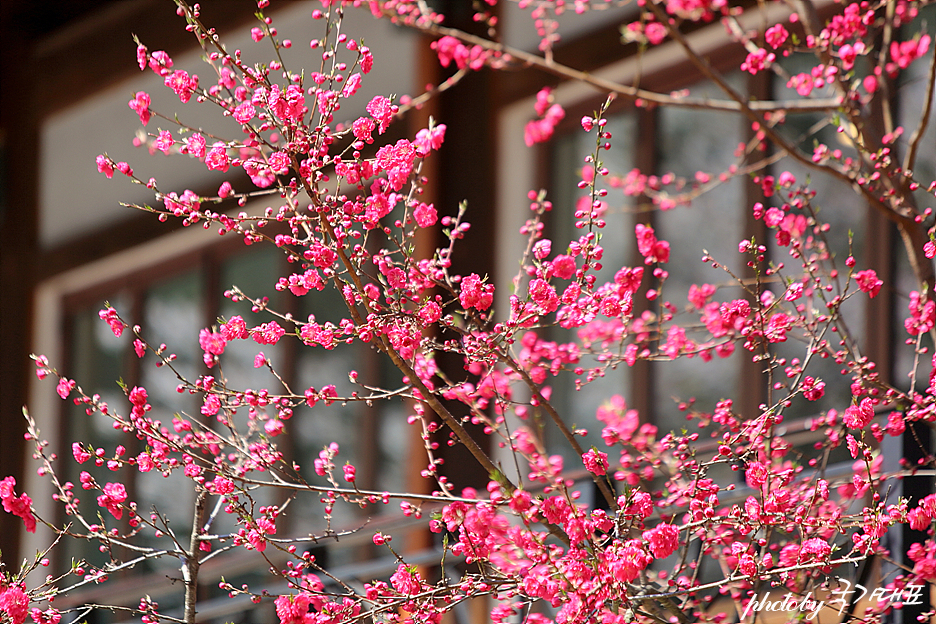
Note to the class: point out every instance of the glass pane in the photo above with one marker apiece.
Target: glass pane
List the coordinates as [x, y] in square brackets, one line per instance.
[97, 362]
[174, 314]
[712, 222]
[254, 271]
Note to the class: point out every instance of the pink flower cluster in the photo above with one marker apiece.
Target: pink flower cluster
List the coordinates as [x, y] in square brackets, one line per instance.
[549, 115]
[17, 505]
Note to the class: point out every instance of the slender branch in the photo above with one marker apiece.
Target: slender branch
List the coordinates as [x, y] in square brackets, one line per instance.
[910, 230]
[191, 563]
[627, 91]
[557, 419]
[910, 158]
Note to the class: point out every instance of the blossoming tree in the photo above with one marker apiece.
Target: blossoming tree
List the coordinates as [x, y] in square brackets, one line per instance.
[349, 217]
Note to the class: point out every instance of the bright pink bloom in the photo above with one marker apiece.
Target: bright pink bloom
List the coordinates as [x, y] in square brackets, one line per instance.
[81, 456]
[382, 110]
[406, 580]
[655, 32]
[105, 166]
[109, 315]
[868, 282]
[268, 333]
[475, 294]
[14, 603]
[244, 112]
[858, 416]
[776, 35]
[427, 140]
[595, 462]
[182, 84]
[663, 540]
[64, 387]
[293, 609]
[194, 146]
[114, 494]
[425, 215]
[234, 329]
[164, 142]
[217, 158]
[544, 295]
[140, 103]
[929, 249]
[649, 247]
[758, 60]
[541, 130]
[363, 128]
[17, 505]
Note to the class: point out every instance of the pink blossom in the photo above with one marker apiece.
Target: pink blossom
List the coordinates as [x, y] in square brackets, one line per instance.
[114, 494]
[81, 456]
[141, 56]
[140, 104]
[425, 215]
[105, 165]
[757, 60]
[813, 389]
[194, 146]
[14, 602]
[776, 35]
[363, 128]
[663, 540]
[549, 115]
[428, 140]
[279, 162]
[145, 462]
[293, 609]
[858, 416]
[905, 52]
[211, 342]
[747, 565]
[109, 315]
[164, 142]
[655, 32]
[182, 84]
[756, 474]
[430, 312]
[475, 294]
[273, 427]
[868, 282]
[544, 295]
[649, 247]
[217, 158]
[449, 49]
[64, 387]
[244, 112]
[382, 110]
[17, 505]
[596, 462]
[406, 580]
[211, 405]
[777, 327]
[564, 266]
[234, 329]
[49, 616]
[220, 485]
[159, 62]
